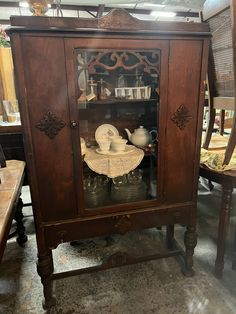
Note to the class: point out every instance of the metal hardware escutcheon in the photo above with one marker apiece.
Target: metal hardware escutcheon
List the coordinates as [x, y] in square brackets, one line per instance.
[73, 124]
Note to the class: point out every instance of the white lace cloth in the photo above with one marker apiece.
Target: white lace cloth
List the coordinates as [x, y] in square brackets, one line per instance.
[115, 165]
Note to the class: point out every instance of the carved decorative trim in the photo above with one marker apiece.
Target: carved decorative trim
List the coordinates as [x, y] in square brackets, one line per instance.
[123, 225]
[181, 117]
[110, 60]
[50, 124]
[120, 19]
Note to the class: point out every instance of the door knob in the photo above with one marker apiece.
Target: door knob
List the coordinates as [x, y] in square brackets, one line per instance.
[73, 124]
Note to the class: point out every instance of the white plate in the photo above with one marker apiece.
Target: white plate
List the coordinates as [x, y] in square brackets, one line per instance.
[104, 131]
[128, 149]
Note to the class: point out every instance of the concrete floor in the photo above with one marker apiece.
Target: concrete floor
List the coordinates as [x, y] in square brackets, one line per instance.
[151, 287]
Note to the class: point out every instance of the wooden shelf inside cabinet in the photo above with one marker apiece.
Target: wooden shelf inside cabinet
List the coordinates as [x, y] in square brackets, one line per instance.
[119, 101]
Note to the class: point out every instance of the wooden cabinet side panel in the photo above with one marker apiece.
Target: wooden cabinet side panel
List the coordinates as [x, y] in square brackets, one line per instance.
[46, 84]
[183, 94]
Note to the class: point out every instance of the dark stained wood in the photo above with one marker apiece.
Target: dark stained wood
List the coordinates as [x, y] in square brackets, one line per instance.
[116, 19]
[13, 129]
[45, 58]
[11, 140]
[2, 159]
[46, 72]
[180, 152]
[12, 145]
[101, 225]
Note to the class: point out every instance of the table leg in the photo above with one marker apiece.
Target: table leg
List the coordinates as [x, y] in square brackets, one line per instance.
[20, 229]
[223, 228]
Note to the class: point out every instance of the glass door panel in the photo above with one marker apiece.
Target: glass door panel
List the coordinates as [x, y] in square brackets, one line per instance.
[118, 104]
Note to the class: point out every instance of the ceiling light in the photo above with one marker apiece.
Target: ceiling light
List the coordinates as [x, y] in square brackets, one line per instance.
[163, 14]
[149, 4]
[23, 4]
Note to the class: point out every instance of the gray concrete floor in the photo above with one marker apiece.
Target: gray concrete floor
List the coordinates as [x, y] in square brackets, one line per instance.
[152, 287]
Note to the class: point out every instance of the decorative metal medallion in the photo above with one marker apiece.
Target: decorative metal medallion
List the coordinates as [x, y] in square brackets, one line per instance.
[50, 124]
[181, 117]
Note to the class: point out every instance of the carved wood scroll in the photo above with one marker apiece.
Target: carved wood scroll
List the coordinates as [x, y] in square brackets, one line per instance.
[110, 60]
[50, 124]
[181, 117]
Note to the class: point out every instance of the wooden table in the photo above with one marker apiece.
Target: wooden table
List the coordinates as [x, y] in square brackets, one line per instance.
[10, 203]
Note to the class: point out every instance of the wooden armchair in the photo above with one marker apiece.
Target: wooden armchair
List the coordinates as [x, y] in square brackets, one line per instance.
[221, 85]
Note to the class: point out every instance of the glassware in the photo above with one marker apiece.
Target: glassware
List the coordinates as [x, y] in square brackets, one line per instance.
[120, 180]
[135, 176]
[95, 190]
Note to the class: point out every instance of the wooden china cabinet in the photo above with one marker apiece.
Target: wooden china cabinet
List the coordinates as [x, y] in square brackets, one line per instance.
[84, 81]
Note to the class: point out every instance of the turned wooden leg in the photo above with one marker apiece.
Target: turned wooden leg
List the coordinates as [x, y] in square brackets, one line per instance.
[45, 270]
[223, 228]
[190, 241]
[170, 236]
[20, 229]
[234, 251]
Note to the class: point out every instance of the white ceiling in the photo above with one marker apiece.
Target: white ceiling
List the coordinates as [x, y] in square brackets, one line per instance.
[188, 4]
[170, 5]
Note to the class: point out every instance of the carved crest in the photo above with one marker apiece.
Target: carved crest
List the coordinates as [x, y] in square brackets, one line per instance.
[50, 124]
[121, 19]
[181, 117]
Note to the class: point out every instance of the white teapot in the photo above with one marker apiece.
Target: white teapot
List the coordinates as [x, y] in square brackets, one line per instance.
[140, 137]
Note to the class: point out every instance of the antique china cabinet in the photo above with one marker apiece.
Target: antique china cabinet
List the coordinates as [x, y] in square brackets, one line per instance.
[112, 112]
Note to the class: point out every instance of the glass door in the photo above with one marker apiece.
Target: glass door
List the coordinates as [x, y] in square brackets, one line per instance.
[118, 103]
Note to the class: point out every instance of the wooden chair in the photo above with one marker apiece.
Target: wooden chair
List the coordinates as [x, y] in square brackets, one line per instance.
[223, 102]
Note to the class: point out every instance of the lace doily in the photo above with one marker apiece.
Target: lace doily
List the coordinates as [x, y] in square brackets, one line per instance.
[115, 165]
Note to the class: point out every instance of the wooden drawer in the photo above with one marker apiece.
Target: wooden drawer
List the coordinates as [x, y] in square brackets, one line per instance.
[97, 226]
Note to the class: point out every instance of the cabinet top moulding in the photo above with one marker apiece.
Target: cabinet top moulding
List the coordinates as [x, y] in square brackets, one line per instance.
[115, 20]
